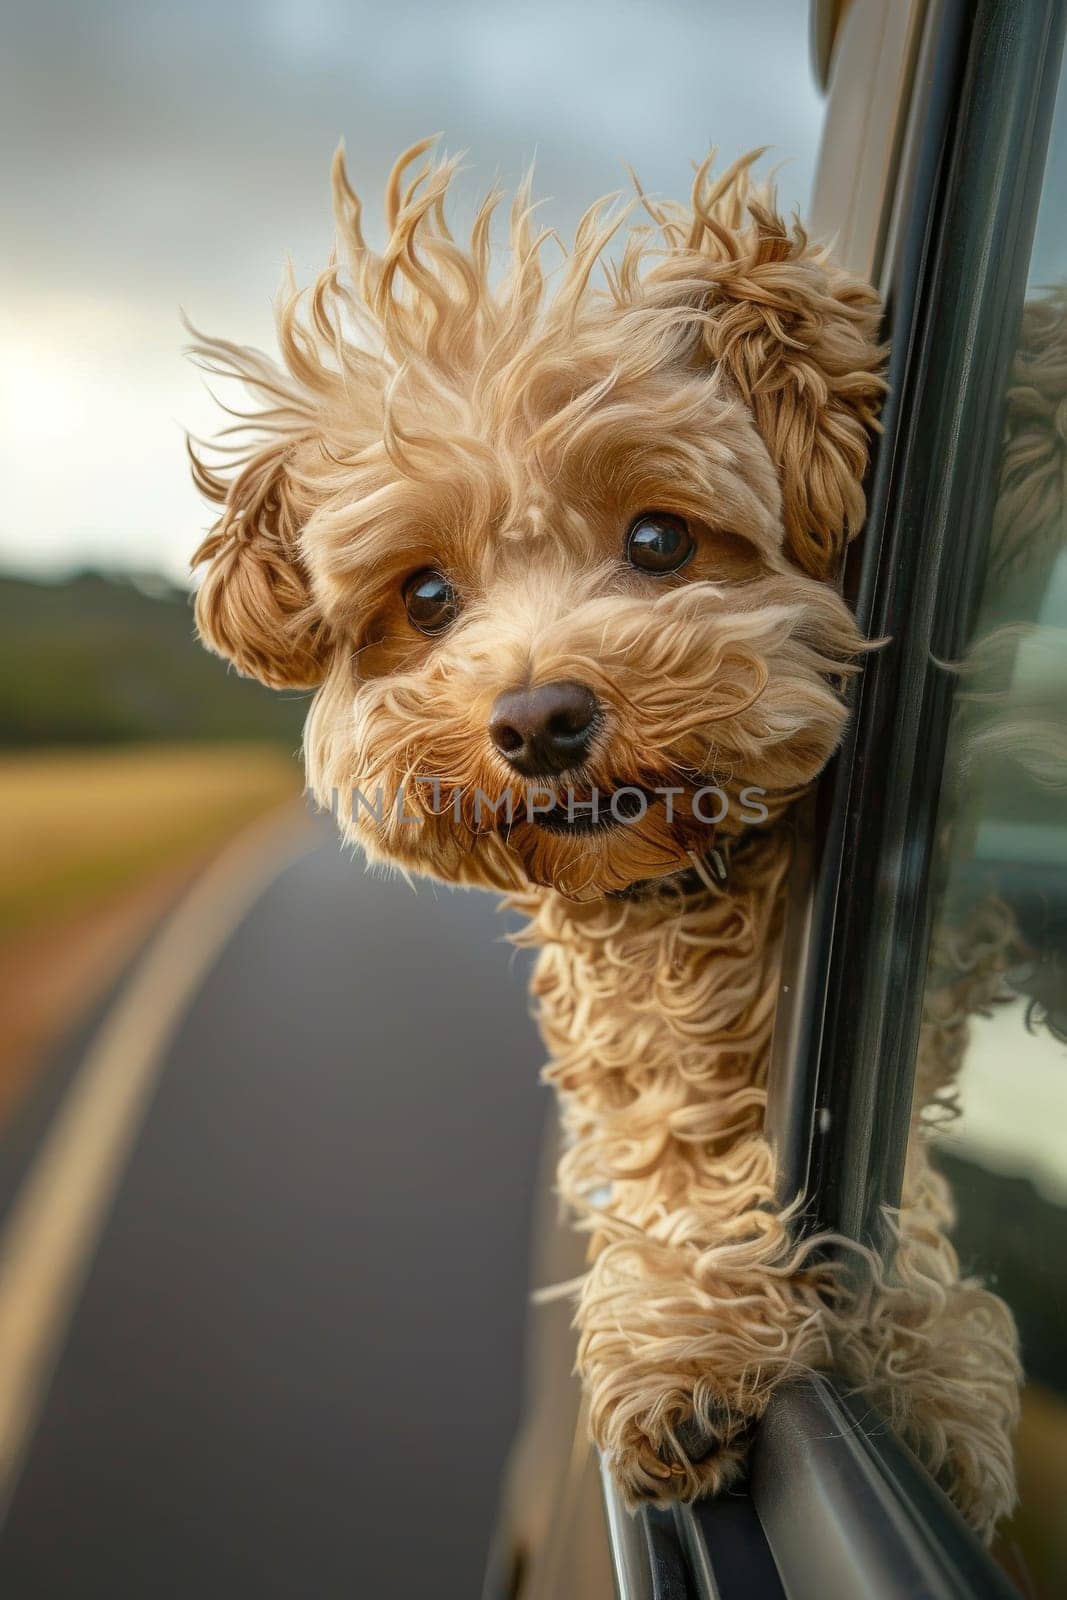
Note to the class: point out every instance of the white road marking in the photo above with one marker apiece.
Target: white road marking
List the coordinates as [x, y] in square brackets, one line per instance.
[60, 1210]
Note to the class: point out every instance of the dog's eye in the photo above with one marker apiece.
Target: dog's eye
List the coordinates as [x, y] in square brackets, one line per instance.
[431, 601]
[659, 542]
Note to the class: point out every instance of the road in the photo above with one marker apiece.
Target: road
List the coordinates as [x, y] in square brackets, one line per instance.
[288, 1364]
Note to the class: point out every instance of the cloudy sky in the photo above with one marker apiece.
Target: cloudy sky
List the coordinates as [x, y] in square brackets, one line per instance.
[164, 155]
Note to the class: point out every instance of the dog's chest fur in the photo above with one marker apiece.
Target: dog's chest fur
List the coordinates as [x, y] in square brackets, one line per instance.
[658, 1017]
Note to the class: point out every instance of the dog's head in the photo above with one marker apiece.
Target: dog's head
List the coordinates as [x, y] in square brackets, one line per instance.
[536, 549]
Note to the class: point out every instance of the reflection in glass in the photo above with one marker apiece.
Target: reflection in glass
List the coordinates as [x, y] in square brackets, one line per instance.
[994, 1045]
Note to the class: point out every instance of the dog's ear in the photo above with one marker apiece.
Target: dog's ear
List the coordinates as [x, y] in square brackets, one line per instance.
[794, 336]
[254, 605]
[799, 341]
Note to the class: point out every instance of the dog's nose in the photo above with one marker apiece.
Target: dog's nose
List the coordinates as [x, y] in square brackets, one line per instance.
[545, 730]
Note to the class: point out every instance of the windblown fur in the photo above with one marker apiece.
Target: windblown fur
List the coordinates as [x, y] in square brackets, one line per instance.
[714, 365]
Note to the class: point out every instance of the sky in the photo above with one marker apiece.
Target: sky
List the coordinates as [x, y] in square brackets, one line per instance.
[168, 156]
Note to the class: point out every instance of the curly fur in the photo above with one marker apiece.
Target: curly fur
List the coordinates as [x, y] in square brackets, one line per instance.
[714, 364]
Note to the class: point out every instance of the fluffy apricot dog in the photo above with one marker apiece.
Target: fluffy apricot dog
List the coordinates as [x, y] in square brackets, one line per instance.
[560, 560]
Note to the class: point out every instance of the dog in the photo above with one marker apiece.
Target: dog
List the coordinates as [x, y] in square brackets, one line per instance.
[559, 555]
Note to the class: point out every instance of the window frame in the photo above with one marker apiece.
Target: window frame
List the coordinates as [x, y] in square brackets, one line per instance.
[840, 1110]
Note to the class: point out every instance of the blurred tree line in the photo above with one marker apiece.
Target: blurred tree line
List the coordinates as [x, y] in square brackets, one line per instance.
[97, 659]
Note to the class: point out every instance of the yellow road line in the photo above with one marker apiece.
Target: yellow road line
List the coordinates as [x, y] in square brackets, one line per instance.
[60, 1210]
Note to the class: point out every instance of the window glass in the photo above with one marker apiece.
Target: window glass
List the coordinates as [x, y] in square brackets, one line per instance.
[995, 1018]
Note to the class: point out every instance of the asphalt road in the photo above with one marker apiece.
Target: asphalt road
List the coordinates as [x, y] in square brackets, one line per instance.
[293, 1368]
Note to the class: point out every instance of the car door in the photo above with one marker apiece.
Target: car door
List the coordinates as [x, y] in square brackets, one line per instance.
[942, 177]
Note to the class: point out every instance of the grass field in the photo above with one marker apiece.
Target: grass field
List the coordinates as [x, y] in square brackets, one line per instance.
[78, 826]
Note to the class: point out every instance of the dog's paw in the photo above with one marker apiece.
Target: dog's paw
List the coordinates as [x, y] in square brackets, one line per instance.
[678, 1451]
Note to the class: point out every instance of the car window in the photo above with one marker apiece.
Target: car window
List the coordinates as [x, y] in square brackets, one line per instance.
[994, 1040]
